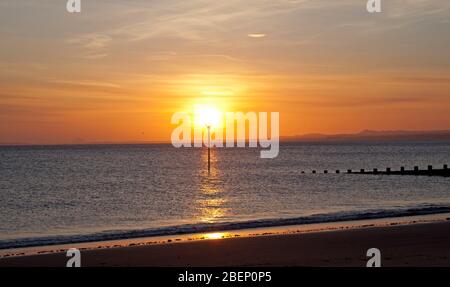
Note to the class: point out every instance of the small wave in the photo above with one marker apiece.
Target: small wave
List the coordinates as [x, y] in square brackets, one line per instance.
[225, 226]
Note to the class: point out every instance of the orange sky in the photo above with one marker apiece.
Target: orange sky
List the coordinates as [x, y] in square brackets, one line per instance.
[118, 70]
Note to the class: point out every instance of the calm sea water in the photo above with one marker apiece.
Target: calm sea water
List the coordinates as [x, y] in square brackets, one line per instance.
[57, 194]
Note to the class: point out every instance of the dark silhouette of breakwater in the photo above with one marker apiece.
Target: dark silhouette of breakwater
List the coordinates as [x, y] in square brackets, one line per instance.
[429, 171]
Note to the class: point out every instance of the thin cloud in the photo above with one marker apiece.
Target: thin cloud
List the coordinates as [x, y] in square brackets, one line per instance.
[91, 41]
[257, 35]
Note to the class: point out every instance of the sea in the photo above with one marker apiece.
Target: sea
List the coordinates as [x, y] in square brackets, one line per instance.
[81, 193]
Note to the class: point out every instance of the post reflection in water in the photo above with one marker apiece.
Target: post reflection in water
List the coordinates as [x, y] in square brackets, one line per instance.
[211, 201]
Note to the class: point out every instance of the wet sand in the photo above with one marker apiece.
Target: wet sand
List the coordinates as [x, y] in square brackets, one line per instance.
[421, 244]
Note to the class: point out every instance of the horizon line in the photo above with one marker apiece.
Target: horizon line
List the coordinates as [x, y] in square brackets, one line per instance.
[309, 137]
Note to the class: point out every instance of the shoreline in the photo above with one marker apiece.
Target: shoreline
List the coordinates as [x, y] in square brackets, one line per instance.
[47, 244]
[418, 229]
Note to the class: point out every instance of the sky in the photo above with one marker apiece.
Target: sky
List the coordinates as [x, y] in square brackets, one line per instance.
[117, 71]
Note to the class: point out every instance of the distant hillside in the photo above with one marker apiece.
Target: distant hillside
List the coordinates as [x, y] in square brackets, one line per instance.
[369, 135]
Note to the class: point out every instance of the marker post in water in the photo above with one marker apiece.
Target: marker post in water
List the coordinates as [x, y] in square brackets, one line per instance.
[209, 147]
[209, 117]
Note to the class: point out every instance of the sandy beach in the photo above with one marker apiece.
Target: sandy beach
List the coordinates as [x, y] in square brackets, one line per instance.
[420, 244]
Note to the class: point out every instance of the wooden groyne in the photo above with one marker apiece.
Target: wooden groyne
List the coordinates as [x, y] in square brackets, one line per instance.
[429, 171]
